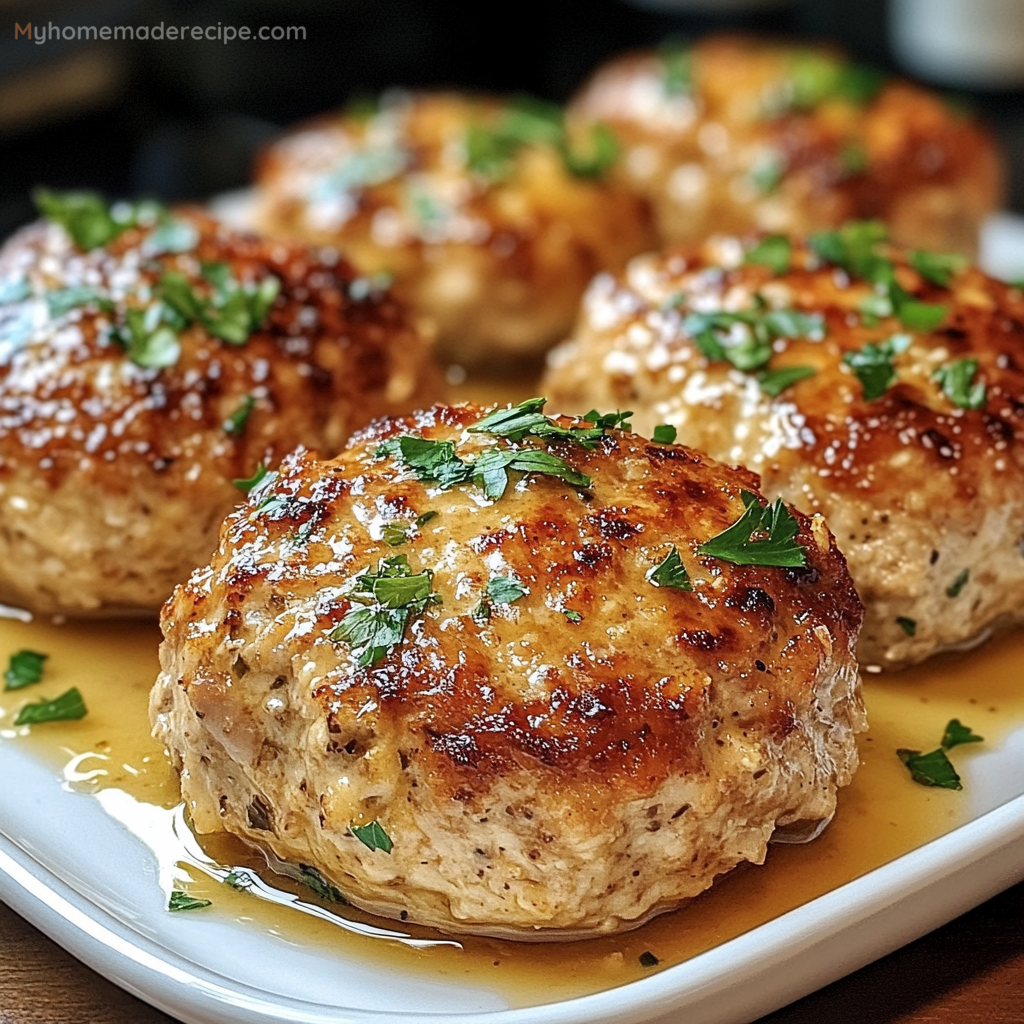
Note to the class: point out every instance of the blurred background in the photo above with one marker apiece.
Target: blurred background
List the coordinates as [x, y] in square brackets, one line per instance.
[184, 119]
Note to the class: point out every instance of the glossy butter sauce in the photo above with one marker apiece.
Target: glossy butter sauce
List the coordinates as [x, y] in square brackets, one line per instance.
[110, 756]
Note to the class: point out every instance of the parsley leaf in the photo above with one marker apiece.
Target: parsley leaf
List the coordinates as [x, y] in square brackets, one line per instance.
[394, 536]
[23, 669]
[236, 422]
[232, 312]
[873, 364]
[761, 536]
[677, 69]
[422, 520]
[312, 878]
[956, 379]
[953, 590]
[63, 300]
[147, 340]
[67, 707]
[171, 236]
[774, 382]
[774, 252]
[182, 901]
[491, 150]
[573, 616]
[670, 572]
[853, 159]
[937, 267]
[504, 590]
[932, 769]
[909, 626]
[241, 881]
[87, 218]
[527, 420]
[436, 461]
[767, 172]
[373, 836]
[254, 481]
[920, 316]
[957, 733]
[664, 433]
[745, 338]
[382, 604]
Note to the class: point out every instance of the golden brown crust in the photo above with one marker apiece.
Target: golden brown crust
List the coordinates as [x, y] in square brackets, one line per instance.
[498, 263]
[625, 709]
[80, 422]
[911, 483]
[736, 149]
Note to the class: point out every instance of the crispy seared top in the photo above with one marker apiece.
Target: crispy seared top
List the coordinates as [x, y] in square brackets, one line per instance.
[427, 170]
[83, 384]
[787, 111]
[901, 358]
[544, 640]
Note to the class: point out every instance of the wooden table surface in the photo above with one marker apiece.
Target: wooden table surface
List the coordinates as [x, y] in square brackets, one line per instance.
[969, 972]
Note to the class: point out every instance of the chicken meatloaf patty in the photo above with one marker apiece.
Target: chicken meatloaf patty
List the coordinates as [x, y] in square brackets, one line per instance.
[490, 217]
[147, 359]
[484, 675]
[882, 388]
[736, 134]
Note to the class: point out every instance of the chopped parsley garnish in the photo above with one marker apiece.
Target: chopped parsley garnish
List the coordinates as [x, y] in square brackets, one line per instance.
[677, 69]
[24, 669]
[664, 433]
[816, 77]
[182, 901]
[648, 959]
[853, 159]
[873, 364]
[920, 316]
[931, 769]
[88, 219]
[14, 290]
[670, 572]
[573, 616]
[239, 880]
[958, 384]
[147, 339]
[67, 707]
[953, 590]
[937, 267]
[236, 422]
[394, 536]
[491, 151]
[481, 613]
[767, 172]
[504, 590]
[232, 311]
[254, 481]
[63, 300]
[171, 236]
[382, 603]
[436, 461]
[774, 252]
[763, 535]
[774, 382]
[935, 768]
[527, 420]
[909, 626]
[373, 836]
[957, 733]
[854, 247]
[745, 338]
[422, 520]
[312, 878]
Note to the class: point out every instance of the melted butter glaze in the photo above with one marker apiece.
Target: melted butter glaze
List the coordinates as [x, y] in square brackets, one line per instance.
[882, 814]
[629, 692]
[323, 363]
[821, 424]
